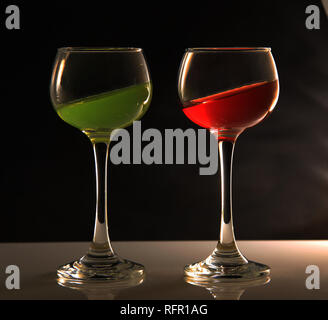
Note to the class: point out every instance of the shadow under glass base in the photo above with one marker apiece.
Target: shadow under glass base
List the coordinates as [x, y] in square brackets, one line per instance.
[111, 269]
[204, 272]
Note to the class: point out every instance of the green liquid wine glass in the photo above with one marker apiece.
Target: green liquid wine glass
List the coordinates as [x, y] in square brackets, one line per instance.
[98, 90]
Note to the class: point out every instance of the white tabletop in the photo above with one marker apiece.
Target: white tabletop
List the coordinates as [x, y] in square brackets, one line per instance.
[164, 262]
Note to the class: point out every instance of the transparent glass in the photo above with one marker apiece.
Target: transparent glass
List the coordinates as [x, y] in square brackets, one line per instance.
[229, 290]
[98, 90]
[227, 90]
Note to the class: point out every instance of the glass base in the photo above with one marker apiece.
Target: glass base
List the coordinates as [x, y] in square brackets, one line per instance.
[203, 272]
[229, 290]
[112, 270]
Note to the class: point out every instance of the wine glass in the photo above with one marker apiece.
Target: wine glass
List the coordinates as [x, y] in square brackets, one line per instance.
[98, 90]
[227, 90]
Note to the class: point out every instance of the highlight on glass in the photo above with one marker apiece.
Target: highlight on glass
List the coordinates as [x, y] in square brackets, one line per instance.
[98, 90]
[227, 90]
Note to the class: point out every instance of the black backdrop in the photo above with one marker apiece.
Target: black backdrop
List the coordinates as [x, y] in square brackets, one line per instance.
[280, 169]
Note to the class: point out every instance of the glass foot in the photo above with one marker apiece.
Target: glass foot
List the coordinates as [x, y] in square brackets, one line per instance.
[112, 270]
[229, 290]
[203, 272]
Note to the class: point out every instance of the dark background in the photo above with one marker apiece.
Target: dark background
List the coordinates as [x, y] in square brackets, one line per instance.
[280, 168]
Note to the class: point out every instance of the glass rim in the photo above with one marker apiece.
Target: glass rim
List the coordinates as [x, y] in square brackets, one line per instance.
[218, 49]
[99, 49]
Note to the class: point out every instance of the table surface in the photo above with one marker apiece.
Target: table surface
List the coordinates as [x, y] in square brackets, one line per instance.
[164, 262]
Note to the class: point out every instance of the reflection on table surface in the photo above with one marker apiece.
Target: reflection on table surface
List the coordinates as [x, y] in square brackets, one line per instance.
[164, 262]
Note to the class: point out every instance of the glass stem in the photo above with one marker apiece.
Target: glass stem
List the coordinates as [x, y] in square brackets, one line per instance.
[100, 245]
[226, 252]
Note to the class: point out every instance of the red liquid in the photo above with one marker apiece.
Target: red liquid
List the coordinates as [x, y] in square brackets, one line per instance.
[234, 110]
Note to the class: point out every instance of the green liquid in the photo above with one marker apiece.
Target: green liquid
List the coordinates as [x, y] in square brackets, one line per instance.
[100, 114]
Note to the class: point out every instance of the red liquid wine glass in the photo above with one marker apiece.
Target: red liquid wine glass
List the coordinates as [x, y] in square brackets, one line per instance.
[227, 90]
